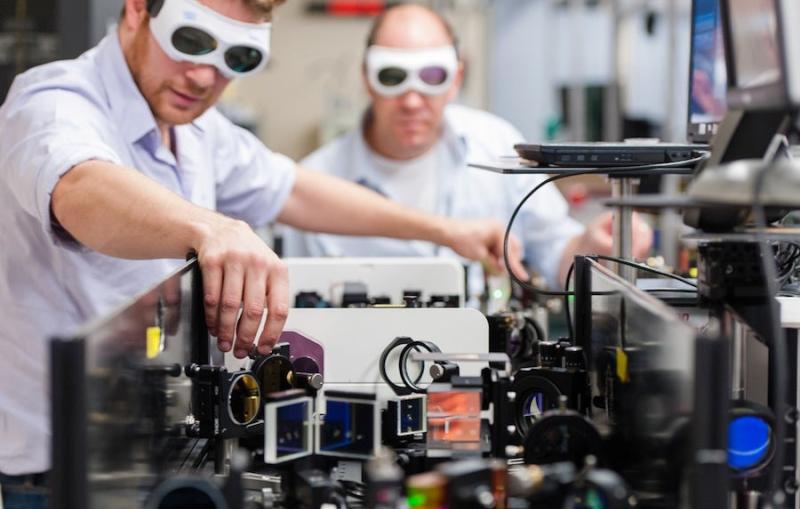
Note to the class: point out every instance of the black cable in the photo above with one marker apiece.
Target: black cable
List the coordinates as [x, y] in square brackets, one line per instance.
[643, 267]
[567, 312]
[624, 169]
[568, 293]
[778, 341]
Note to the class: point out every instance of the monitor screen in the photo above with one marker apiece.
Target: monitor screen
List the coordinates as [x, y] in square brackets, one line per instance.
[756, 56]
[708, 76]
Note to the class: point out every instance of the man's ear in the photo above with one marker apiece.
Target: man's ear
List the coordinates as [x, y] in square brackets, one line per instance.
[135, 13]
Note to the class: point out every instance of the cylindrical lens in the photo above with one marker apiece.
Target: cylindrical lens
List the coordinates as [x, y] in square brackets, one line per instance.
[391, 76]
[433, 75]
[243, 58]
[193, 41]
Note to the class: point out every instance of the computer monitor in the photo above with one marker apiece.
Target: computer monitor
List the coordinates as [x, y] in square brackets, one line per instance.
[763, 69]
[707, 72]
[762, 53]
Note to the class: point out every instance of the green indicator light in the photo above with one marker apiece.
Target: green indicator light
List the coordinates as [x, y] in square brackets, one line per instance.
[416, 500]
[594, 501]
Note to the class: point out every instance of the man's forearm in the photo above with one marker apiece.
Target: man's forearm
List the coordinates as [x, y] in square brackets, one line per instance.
[327, 204]
[120, 212]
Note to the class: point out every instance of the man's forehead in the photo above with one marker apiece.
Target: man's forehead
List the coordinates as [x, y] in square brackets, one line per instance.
[234, 9]
[413, 28]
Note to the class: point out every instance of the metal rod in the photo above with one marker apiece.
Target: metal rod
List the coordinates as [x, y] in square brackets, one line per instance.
[622, 229]
[222, 456]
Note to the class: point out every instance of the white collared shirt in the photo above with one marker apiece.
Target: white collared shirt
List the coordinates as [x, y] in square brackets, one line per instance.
[469, 135]
[57, 116]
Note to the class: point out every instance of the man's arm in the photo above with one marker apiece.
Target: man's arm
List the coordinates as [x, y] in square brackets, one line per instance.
[327, 204]
[120, 212]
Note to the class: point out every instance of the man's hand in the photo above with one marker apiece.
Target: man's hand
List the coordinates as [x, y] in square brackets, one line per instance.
[240, 271]
[598, 238]
[482, 240]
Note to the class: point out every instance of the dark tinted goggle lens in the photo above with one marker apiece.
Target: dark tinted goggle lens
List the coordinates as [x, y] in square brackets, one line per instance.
[433, 75]
[193, 41]
[391, 76]
[243, 58]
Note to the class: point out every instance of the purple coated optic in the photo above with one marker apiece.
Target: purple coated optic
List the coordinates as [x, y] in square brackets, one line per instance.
[302, 346]
[433, 75]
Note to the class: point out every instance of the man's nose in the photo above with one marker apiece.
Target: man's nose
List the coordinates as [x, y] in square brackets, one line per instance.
[202, 76]
[412, 99]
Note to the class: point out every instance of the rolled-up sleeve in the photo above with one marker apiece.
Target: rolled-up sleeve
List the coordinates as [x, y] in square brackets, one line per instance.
[253, 183]
[45, 135]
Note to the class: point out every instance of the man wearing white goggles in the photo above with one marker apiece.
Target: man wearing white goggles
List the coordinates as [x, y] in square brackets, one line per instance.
[414, 146]
[188, 30]
[120, 154]
[394, 71]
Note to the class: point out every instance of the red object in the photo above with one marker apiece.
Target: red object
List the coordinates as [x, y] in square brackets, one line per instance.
[577, 194]
[355, 7]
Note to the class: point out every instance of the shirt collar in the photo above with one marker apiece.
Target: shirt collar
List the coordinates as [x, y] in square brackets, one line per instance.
[131, 111]
[129, 107]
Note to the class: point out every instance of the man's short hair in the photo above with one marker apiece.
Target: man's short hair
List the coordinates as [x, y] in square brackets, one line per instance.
[381, 18]
[261, 7]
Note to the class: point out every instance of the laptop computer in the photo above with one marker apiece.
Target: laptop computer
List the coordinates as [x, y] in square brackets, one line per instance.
[604, 154]
[706, 108]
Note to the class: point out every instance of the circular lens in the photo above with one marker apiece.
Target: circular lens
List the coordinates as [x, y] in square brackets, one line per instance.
[243, 58]
[244, 400]
[534, 405]
[433, 75]
[391, 76]
[187, 497]
[183, 492]
[193, 41]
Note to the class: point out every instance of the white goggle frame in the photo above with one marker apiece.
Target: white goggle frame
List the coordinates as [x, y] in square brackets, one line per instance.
[412, 61]
[176, 14]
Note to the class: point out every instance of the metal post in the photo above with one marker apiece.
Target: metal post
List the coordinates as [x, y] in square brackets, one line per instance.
[612, 117]
[622, 229]
[222, 456]
[577, 92]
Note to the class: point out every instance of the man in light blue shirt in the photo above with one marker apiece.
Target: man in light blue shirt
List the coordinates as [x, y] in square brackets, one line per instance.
[113, 166]
[414, 145]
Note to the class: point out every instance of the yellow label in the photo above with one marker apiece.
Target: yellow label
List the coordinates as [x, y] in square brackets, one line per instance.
[622, 366]
[153, 342]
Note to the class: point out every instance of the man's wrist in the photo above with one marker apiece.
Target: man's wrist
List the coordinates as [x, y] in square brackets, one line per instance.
[440, 231]
[203, 227]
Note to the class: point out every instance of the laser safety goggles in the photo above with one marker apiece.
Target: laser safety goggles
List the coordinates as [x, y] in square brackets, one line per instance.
[395, 71]
[189, 31]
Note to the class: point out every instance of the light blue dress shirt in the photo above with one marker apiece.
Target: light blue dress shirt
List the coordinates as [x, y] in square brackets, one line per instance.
[55, 117]
[470, 135]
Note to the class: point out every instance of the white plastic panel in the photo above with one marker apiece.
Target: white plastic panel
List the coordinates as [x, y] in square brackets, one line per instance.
[383, 276]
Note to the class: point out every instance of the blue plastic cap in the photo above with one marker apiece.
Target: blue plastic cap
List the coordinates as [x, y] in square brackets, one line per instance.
[748, 442]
